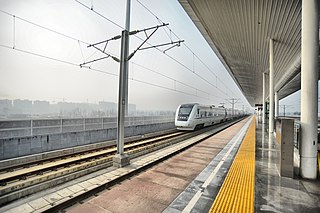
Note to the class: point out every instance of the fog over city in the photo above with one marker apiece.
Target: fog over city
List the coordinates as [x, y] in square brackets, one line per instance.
[43, 42]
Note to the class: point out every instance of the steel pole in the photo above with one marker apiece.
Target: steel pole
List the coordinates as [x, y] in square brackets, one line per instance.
[309, 88]
[127, 28]
[263, 97]
[120, 159]
[123, 81]
[271, 89]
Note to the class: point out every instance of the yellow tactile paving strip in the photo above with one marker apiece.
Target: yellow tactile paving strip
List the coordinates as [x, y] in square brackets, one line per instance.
[237, 192]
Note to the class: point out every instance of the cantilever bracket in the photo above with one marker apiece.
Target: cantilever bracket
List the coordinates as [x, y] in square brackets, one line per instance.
[89, 62]
[155, 28]
[177, 43]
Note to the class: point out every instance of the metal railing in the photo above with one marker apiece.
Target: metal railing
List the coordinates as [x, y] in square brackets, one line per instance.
[34, 127]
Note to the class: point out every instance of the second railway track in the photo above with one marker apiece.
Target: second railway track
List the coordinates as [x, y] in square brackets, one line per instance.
[22, 180]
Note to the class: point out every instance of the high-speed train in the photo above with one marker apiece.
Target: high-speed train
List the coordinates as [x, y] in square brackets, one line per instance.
[194, 116]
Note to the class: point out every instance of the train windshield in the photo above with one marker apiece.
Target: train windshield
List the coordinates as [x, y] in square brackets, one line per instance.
[185, 109]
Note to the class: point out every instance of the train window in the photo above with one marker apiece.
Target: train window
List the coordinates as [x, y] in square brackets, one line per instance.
[202, 113]
[185, 110]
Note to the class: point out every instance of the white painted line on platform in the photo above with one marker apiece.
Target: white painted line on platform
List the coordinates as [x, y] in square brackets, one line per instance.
[210, 178]
[198, 194]
[192, 202]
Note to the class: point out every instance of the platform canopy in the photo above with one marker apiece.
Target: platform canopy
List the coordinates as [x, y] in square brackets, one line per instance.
[238, 31]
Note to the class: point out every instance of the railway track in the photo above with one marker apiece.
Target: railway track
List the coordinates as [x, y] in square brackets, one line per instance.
[22, 180]
[25, 179]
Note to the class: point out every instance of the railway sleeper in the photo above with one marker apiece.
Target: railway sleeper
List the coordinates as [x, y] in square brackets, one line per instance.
[50, 183]
[48, 176]
[51, 176]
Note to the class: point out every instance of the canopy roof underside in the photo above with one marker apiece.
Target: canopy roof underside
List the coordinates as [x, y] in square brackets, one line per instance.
[239, 32]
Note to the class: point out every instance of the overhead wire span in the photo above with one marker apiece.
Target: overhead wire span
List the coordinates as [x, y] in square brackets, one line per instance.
[175, 80]
[39, 55]
[159, 20]
[180, 63]
[86, 67]
[99, 14]
[163, 87]
[197, 74]
[40, 26]
[95, 52]
[140, 47]
[81, 52]
[78, 41]
[53, 31]
[97, 70]
[55, 59]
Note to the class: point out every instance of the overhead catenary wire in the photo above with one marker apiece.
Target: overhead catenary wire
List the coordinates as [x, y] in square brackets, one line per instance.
[195, 73]
[87, 67]
[81, 52]
[175, 80]
[179, 91]
[87, 43]
[99, 14]
[53, 31]
[101, 71]
[43, 27]
[78, 40]
[39, 55]
[194, 55]
[171, 57]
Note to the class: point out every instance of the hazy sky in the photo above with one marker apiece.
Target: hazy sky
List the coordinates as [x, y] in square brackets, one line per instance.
[31, 77]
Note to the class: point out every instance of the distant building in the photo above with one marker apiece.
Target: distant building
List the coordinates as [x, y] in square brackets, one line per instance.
[34, 109]
[22, 106]
[109, 108]
[5, 107]
[41, 107]
[105, 106]
[132, 108]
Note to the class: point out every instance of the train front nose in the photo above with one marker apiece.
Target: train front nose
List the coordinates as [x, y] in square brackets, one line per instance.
[183, 118]
[183, 115]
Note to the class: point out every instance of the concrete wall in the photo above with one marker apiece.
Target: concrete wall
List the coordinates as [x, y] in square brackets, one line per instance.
[38, 127]
[28, 145]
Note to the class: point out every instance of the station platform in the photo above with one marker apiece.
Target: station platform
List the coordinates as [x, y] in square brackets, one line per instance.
[231, 171]
[186, 182]
[280, 194]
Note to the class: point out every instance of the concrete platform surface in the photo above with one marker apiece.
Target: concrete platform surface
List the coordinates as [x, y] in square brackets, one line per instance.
[280, 194]
[155, 189]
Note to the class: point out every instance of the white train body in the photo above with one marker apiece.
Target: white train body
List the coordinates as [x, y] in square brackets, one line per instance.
[192, 116]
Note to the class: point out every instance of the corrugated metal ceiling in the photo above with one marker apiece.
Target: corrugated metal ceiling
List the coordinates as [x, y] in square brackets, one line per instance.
[239, 32]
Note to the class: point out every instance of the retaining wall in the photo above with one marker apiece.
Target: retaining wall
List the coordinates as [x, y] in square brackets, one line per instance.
[28, 145]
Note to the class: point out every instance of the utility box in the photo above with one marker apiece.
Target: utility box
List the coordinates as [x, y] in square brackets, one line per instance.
[285, 146]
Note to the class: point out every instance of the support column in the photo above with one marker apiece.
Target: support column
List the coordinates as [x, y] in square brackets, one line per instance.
[127, 28]
[276, 105]
[271, 89]
[263, 97]
[120, 159]
[309, 88]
